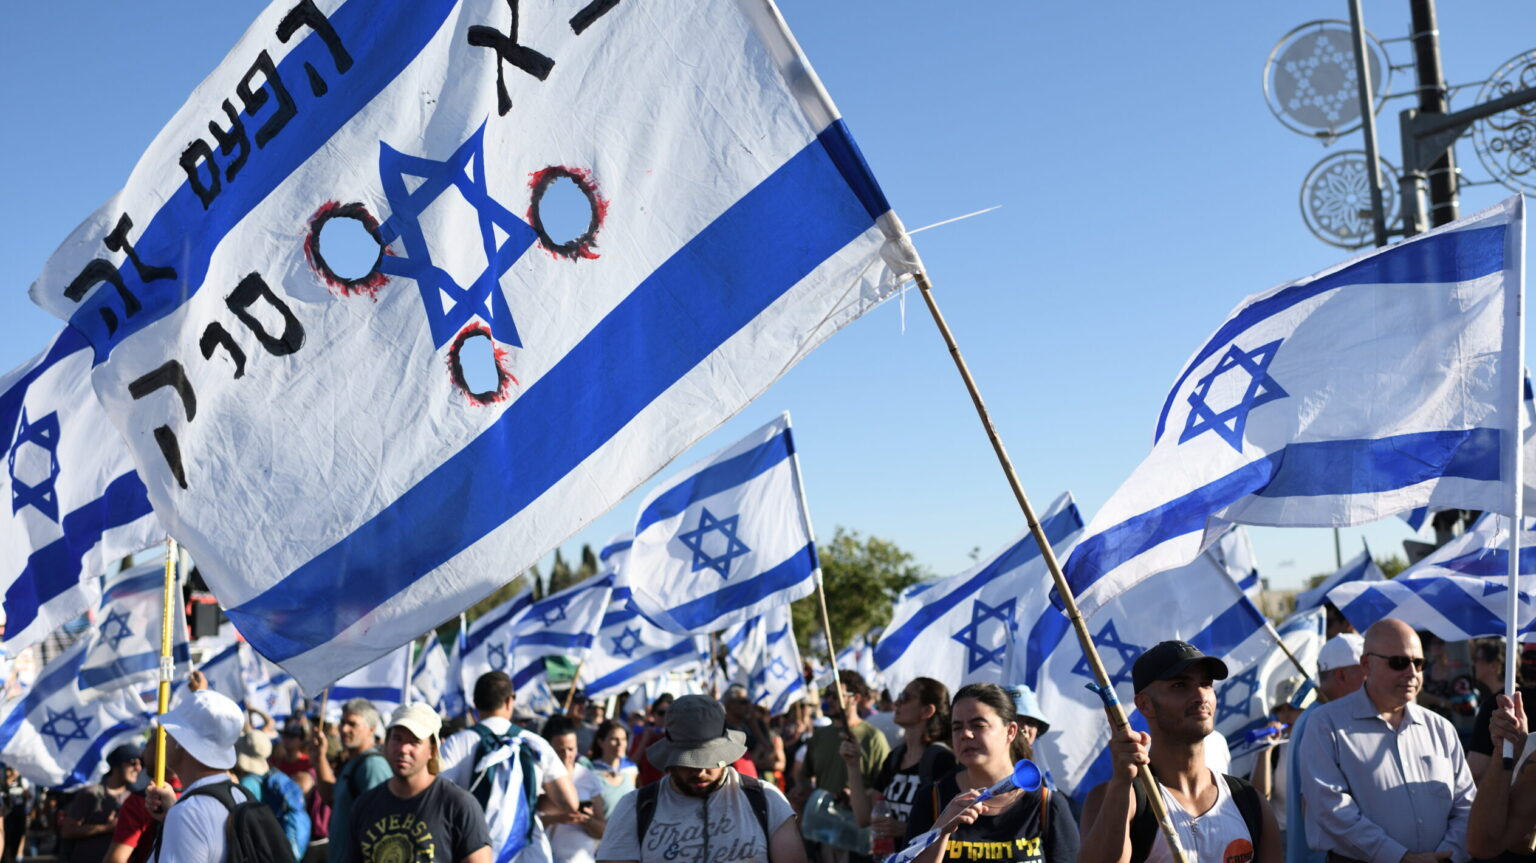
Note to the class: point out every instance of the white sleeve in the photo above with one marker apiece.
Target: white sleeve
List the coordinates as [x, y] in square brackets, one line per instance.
[454, 756]
[550, 765]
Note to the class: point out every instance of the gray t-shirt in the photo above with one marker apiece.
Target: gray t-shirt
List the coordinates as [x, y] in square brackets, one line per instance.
[678, 831]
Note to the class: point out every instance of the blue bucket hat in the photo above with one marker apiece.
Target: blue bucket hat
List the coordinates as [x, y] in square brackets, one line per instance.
[1028, 706]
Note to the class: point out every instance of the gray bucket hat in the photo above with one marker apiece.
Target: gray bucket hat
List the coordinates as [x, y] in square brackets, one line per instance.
[696, 736]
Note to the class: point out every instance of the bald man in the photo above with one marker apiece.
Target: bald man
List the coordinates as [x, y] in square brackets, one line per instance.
[1384, 779]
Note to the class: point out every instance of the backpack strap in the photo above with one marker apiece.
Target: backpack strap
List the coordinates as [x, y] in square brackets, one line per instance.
[1045, 812]
[645, 810]
[220, 791]
[352, 778]
[757, 798]
[1144, 827]
[1247, 799]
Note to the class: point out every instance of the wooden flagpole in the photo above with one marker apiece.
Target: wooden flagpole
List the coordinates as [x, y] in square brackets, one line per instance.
[167, 663]
[1105, 688]
[570, 694]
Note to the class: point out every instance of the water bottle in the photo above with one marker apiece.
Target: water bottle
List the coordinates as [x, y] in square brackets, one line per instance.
[881, 846]
[826, 822]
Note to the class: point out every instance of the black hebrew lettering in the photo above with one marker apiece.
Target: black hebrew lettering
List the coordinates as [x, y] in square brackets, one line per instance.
[118, 241]
[199, 152]
[508, 50]
[590, 13]
[98, 271]
[169, 375]
[256, 99]
[171, 450]
[215, 336]
[307, 14]
[245, 295]
[234, 139]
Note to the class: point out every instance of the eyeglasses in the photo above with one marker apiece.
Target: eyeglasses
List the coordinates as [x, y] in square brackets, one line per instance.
[1400, 662]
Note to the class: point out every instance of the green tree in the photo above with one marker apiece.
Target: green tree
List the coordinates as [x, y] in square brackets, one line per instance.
[863, 578]
[1391, 566]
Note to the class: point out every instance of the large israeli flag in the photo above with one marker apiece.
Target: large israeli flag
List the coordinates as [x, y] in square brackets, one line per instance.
[1459, 591]
[70, 502]
[629, 649]
[727, 539]
[314, 434]
[57, 734]
[1199, 603]
[1362, 567]
[1389, 382]
[485, 645]
[385, 682]
[561, 624]
[126, 650]
[957, 630]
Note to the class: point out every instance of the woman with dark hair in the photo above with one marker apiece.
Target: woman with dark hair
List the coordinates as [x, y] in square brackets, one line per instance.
[922, 714]
[1010, 827]
[573, 836]
[615, 774]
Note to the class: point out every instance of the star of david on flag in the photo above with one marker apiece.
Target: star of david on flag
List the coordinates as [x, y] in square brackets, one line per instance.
[957, 629]
[126, 653]
[40, 441]
[625, 643]
[1389, 382]
[641, 650]
[771, 680]
[115, 628]
[492, 630]
[561, 624]
[1108, 641]
[764, 552]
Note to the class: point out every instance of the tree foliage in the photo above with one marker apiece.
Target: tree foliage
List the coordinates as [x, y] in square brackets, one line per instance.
[863, 578]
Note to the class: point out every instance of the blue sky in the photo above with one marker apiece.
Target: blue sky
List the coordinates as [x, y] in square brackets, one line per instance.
[1146, 188]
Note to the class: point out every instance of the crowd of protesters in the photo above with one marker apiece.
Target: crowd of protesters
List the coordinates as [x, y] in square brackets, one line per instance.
[1379, 768]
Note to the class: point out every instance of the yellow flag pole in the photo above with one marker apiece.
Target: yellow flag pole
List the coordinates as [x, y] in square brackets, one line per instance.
[167, 664]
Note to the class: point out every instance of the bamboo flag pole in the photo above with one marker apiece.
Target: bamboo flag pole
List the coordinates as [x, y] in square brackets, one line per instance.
[167, 663]
[1105, 688]
[570, 694]
[1284, 648]
[837, 677]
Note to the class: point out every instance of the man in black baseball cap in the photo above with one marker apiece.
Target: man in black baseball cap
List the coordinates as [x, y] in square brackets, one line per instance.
[1217, 817]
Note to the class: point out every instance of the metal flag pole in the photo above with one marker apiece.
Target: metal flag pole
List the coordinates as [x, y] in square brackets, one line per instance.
[1517, 486]
[1105, 688]
[1368, 126]
[167, 663]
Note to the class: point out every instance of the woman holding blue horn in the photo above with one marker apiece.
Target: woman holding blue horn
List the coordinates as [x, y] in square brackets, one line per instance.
[995, 806]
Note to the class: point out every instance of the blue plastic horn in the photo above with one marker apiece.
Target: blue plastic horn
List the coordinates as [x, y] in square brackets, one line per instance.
[1026, 776]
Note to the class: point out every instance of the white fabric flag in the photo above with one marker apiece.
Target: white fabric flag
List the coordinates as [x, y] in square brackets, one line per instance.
[486, 644]
[58, 734]
[435, 681]
[225, 672]
[629, 649]
[1360, 568]
[956, 631]
[126, 650]
[1304, 634]
[70, 502]
[778, 680]
[383, 682]
[727, 539]
[1389, 382]
[561, 624]
[1460, 591]
[314, 434]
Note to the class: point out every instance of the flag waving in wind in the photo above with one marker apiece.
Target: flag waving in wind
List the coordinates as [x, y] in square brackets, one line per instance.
[347, 455]
[561, 624]
[1387, 383]
[126, 651]
[1362, 567]
[488, 639]
[630, 649]
[727, 539]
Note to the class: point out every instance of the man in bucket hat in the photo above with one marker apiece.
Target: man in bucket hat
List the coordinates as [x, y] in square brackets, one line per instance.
[200, 735]
[702, 809]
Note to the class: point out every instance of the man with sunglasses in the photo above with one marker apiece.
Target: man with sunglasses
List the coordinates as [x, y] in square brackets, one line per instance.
[1385, 779]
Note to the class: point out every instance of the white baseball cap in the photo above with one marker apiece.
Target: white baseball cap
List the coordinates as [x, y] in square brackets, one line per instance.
[418, 718]
[207, 725]
[1341, 651]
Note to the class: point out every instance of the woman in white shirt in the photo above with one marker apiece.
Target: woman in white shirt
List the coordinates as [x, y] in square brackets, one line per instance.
[568, 842]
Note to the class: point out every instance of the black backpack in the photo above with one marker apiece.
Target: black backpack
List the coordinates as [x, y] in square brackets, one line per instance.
[251, 833]
[757, 798]
[1144, 829]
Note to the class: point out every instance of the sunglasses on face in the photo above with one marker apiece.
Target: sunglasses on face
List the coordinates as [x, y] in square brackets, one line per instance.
[1400, 662]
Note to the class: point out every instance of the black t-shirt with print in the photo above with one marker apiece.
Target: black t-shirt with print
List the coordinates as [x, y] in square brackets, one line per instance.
[899, 785]
[442, 823]
[1015, 835]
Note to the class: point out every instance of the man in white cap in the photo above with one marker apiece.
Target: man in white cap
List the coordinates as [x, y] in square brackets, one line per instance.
[1339, 673]
[200, 749]
[703, 810]
[415, 815]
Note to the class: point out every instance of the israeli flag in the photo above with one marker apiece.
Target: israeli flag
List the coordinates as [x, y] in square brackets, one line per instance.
[1304, 634]
[225, 672]
[278, 696]
[485, 645]
[58, 734]
[1386, 383]
[727, 539]
[385, 682]
[1361, 568]
[629, 649]
[957, 630]
[778, 680]
[126, 649]
[1459, 591]
[488, 387]
[70, 502]
[561, 624]
[434, 681]
[1198, 603]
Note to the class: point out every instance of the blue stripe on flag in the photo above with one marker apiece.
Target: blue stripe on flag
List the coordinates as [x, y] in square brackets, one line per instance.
[614, 548]
[573, 641]
[1057, 528]
[721, 280]
[149, 581]
[1298, 470]
[55, 568]
[42, 689]
[697, 613]
[1491, 562]
[99, 675]
[527, 673]
[717, 478]
[485, 630]
[86, 766]
[1043, 638]
[845, 154]
[372, 693]
[1458, 256]
[640, 666]
[383, 37]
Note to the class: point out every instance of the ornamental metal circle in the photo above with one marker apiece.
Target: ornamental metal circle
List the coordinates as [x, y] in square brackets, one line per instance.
[1310, 82]
[1336, 199]
[1506, 141]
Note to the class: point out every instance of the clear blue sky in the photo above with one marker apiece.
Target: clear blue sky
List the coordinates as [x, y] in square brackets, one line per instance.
[1146, 188]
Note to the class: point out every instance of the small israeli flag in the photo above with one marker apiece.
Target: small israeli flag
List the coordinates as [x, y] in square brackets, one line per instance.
[126, 650]
[384, 682]
[561, 624]
[727, 539]
[485, 644]
[629, 649]
[778, 680]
